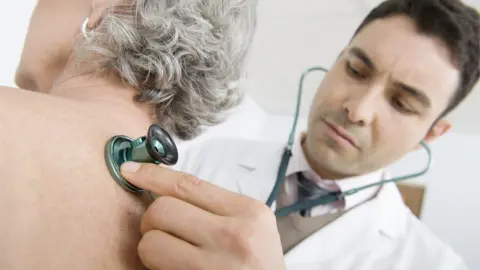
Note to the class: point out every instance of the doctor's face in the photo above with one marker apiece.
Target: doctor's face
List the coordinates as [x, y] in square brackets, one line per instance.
[380, 99]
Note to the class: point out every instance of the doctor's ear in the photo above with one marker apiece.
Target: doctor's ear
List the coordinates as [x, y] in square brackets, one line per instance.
[440, 128]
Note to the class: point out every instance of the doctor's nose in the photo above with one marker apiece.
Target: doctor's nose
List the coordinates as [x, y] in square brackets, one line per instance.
[361, 110]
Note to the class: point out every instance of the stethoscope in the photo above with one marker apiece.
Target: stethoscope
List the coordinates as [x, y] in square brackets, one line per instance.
[332, 196]
[159, 148]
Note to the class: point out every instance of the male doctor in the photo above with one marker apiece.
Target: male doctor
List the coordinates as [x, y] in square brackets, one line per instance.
[409, 64]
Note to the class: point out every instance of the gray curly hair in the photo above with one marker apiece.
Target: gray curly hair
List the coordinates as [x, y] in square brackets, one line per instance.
[185, 57]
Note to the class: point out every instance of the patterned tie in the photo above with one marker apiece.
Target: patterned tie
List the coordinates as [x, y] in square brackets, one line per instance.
[308, 190]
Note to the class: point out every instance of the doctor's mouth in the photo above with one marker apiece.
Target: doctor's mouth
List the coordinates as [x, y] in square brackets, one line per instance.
[339, 134]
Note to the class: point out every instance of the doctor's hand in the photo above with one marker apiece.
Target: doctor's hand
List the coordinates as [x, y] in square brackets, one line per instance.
[194, 224]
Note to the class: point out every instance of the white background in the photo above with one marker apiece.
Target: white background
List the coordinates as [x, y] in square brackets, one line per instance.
[292, 36]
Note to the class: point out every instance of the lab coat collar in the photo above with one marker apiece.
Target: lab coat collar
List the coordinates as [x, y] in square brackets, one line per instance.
[357, 182]
[381, 218]
[298, 161]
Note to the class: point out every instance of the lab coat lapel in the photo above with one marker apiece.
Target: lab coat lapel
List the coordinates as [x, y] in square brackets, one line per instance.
[356, 232]
[370, 225]
[262, 167]
[350, 233]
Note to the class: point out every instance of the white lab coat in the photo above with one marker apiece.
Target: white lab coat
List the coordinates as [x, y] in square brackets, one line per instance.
[381, 234]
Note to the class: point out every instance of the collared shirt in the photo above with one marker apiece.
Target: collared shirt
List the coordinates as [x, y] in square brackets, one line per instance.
[298, 163]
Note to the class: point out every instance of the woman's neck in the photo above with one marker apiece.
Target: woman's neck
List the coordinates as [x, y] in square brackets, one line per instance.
[104, 94]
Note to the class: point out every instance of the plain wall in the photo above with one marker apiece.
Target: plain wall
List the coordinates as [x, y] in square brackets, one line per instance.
[13, 27]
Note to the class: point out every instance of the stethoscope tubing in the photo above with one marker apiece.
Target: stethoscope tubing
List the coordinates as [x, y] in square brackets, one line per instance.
[334, 196]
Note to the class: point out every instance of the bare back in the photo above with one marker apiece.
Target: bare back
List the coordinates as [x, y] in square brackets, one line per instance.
[59, 207]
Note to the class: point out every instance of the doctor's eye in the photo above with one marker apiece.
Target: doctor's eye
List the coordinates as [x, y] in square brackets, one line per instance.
[354, 73]
[401, 106]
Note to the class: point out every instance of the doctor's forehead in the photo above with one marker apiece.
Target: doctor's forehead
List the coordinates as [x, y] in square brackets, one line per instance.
[395, 46]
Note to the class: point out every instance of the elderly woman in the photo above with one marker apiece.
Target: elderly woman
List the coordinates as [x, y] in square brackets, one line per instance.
[135, 63]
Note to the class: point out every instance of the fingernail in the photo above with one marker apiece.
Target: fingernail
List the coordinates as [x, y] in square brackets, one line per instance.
[130, 167]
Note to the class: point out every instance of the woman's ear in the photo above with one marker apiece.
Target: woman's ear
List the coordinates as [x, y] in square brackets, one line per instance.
[99, 7]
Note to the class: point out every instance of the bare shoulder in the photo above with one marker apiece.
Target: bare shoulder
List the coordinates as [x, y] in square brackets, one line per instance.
[64, 211]
[15, 101]
[9, 94]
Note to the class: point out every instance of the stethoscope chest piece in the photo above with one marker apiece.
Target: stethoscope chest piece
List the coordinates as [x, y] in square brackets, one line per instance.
[157, 147]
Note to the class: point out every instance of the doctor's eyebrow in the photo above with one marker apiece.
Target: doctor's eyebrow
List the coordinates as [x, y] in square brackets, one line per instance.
[410, 90]
[360, 54]
[415, 93]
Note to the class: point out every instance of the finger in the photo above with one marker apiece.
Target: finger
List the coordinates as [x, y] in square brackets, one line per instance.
[159, 251]
[186, 187]
[182, 220]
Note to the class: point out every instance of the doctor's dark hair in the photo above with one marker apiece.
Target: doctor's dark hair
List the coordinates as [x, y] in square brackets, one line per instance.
[451, 21]
[185, 57]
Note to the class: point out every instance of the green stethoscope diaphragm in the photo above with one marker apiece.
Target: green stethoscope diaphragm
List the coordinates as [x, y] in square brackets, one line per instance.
[156, 147]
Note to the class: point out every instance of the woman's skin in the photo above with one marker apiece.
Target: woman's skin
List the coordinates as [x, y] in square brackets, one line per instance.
[59, 206]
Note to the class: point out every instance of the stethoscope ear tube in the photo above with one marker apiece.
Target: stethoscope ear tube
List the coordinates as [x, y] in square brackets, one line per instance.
[282, 170]
[308, 204]
[334, 196]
